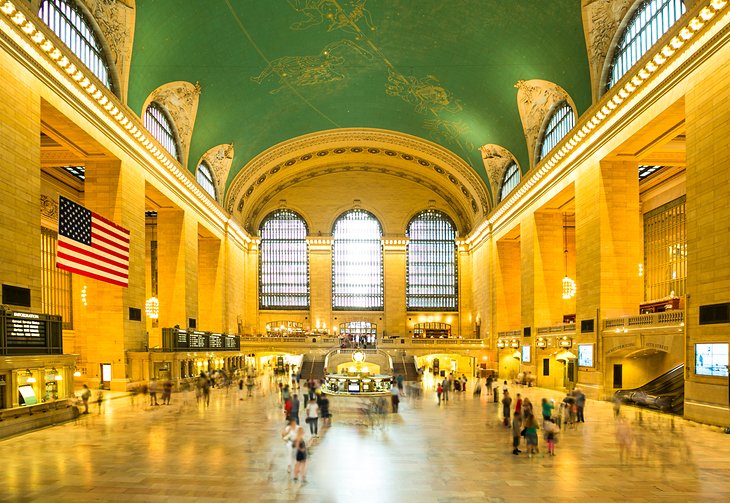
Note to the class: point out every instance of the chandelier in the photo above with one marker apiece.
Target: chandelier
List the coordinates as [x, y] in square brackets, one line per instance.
[568, 283]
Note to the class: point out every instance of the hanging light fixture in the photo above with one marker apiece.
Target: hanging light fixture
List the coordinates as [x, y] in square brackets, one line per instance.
[152, 308]
[568, 283]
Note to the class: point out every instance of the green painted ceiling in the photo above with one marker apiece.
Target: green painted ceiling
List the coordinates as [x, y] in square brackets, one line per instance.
[444, 70]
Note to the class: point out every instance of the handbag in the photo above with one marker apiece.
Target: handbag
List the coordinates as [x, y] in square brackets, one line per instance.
[522, 433]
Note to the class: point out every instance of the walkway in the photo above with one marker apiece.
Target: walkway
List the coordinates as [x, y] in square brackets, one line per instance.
[457, 452]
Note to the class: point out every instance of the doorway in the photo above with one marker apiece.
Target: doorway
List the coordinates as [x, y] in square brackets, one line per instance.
[618, 375]
[106, 375]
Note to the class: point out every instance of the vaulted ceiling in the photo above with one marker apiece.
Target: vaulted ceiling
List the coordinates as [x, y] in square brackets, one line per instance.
[440, 70]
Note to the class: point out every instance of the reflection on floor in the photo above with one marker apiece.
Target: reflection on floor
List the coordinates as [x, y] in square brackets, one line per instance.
[455, 452]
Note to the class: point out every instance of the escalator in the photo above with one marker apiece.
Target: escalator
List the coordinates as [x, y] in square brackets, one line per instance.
[665, 393]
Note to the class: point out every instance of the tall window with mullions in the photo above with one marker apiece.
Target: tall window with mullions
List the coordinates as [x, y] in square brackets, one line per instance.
[283, 262]
[561, 121]
[69, 23]
[357, 262]
[649, 22]
[431, 263]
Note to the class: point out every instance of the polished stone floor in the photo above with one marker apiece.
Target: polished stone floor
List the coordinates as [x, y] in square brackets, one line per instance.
[455, 452]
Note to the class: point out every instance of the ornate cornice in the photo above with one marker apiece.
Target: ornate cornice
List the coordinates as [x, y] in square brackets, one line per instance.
[385, 147]
[253, 213]
[220, 158]
[601, 22]
[496, 159]
[180, 99]
[49, 207]
[535, 100]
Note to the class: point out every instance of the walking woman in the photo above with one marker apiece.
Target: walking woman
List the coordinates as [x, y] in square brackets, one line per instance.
[313, 417]
[300, 446]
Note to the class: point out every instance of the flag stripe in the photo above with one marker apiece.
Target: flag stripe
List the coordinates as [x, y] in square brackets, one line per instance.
[100, 277]
[96, 237]
[107, 256]
[91, 245]
[106, 229]
[73, 259]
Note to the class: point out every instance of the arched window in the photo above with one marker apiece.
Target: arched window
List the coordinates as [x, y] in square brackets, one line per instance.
[283, 262]
[159, 124]
[357, 262]
[510, 180]
[561, 122]
[431, 263]
[651, 20]
[69, 23]
[204, 176]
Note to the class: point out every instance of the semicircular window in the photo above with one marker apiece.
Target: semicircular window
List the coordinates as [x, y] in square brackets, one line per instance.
[651, 20]
[283, 261]
[431, 263]
[561, 122]
[510, 181]
[357, 262]
[69, 23]
[204, 177]
[158, 123]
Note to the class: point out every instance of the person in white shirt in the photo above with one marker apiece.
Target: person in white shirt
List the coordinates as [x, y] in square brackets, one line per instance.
[313, 417]
[289, 434]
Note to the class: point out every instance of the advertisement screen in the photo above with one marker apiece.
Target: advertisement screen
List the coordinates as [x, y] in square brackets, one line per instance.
[27, 395]
[585, 355]
[525, 354]
[711, 359]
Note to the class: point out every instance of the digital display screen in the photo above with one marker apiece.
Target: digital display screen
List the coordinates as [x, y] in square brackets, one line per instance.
[585, 355]
[711, 359]
[526, 354]
[353, 387]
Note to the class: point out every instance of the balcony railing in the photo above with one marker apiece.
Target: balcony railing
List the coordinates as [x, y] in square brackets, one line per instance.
[653, 320]
[557, 329]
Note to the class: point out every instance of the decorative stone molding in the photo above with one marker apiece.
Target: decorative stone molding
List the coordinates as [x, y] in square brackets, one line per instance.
[420, 153]
[535, 100]
[180, 99]
[496, 159]
[219, 158]
[49, 207]
[601, 22]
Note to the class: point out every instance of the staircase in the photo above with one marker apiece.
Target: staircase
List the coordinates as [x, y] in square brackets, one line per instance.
[405, 366]
[312, 367]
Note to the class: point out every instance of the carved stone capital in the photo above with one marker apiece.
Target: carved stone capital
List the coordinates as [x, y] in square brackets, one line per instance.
[601, 22]
[496, 159]
[49, 207]
[220, 158]
[180, 99]
[535, 100]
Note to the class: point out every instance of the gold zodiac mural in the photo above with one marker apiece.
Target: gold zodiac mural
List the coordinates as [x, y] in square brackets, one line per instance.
[310, 70]
[329, 12]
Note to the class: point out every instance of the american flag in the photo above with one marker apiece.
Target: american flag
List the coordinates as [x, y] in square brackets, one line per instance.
[91, 245]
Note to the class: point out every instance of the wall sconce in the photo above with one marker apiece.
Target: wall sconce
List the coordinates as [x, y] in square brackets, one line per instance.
[541, 342]
[30, 379]
[152, 308]
[501, 344]
[77, 373]
[565, 342]
[514, 344]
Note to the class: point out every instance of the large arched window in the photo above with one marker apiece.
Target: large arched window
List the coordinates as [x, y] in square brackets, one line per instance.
[510, 180]
[357, 262]
[561, 122]
[431, 263]
[69, 23]
[651, 20]
[159, 124]
[204, 176]
[283, 262]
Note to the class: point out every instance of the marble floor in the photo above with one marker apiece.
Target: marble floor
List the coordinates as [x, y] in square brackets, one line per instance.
[454, 452]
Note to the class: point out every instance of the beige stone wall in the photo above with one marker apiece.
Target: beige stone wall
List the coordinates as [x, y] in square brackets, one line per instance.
[20, 253]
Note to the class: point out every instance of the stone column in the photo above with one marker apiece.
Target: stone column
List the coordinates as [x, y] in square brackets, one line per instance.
[177, 252]
[20, 191]
[394, 288]
[320, 280]
[211, 258]
[550, 269]
[234, 280]
[507, 287]
[104, 331]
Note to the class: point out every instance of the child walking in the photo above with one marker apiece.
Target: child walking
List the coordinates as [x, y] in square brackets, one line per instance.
[551, 435]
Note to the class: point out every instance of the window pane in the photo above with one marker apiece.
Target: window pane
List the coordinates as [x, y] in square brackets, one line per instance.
[69, 24]
[431, 263]
[160, 126]
[204, 176]
[357, 262]
[56, 292]
[511, 179]
[649, 23]
[283, 262]
[665, 251]
[559, 125]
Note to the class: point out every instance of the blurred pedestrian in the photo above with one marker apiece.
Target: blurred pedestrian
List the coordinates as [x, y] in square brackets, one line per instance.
[313, 417]
[300, 456]
[85, 395]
